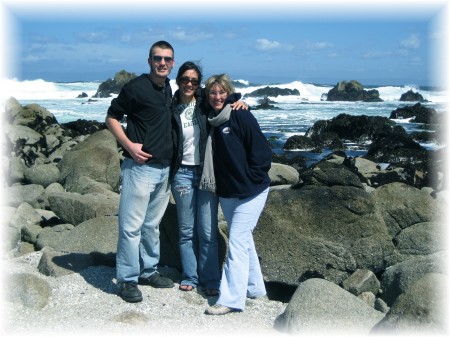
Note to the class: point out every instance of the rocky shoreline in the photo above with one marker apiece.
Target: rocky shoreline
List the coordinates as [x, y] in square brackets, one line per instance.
[345, 245]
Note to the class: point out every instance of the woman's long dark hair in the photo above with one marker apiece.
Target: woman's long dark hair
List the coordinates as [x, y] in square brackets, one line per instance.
[189, 65]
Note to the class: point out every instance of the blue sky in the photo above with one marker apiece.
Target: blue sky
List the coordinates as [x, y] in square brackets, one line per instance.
[374, 42]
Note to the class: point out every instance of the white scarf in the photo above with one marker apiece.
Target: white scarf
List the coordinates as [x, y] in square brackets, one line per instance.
[208, 181]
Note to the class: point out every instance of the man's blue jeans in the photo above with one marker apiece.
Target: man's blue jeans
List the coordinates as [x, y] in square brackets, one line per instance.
[197, 220]
[143, 200]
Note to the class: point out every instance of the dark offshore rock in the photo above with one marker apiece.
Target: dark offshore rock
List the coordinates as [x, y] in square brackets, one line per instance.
[426, 137]
[272, 92]
[298, 142]
[418, 112]
[394, 145]
[352, 128]
[315, 143]
[265, 103]
[113, 86]
[82, 127]
[330, 140]
[412, 96]
[369, 173]
[82, 95]
[398, 148]
[327, 173]
[389, 143]
[352, 91]
[298, 162]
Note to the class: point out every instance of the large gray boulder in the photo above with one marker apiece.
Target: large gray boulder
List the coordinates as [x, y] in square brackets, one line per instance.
[397, 278]
[402, 206]
[76, 208]
[96, 157]
[421, 309]
[42, 174]
[32, 194]
[15, 170]
[362, 281]
[281, 174]
[423, 238]
[54, 263]
[320, 231]
[11, 230]
[319, 307]
[96, 237]
[29, 291]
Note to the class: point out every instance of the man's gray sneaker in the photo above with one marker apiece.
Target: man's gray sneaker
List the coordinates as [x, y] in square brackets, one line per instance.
[129, 292]
[157, 281]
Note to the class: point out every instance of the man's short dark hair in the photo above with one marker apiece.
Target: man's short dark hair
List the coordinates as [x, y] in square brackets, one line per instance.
[161, 44]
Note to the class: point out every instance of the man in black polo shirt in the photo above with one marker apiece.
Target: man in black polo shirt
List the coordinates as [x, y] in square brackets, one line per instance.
[148, 149]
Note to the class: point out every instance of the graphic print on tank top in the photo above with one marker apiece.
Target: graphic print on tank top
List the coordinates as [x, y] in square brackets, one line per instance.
[191, 134]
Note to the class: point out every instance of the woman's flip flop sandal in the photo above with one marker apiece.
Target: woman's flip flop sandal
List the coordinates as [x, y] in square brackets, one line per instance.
[186, 287]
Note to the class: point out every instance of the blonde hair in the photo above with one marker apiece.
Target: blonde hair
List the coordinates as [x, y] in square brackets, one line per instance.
[223, 80]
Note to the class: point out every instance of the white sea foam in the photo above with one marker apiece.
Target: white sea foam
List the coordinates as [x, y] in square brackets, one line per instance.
[43, 90]
[293, 115]
[40, 89]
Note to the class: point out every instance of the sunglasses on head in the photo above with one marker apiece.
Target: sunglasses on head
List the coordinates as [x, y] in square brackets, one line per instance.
[186, 80]
[158, 58]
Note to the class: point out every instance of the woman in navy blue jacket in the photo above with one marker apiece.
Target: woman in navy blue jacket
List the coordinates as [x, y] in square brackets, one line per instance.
[238, 172]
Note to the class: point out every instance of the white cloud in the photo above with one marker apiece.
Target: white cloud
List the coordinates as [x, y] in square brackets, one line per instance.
[318, 45]
[376, 54]
[33, 59]
[412, 42]
[181, 34]
[93, 36]
[416, 61]
[264, 44]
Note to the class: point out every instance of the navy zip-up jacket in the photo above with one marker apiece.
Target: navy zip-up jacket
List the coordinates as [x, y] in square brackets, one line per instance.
[242, 156]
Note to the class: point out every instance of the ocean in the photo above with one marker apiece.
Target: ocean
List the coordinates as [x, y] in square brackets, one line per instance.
[293, 116]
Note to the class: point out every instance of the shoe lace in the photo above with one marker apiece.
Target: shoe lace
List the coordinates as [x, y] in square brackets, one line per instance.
[130, 285]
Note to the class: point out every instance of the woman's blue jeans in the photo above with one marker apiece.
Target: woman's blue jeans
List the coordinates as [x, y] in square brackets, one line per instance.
[143, 200]
[241, 275]
[197, 220]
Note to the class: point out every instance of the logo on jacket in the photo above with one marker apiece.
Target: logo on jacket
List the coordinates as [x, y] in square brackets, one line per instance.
[226, 130]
